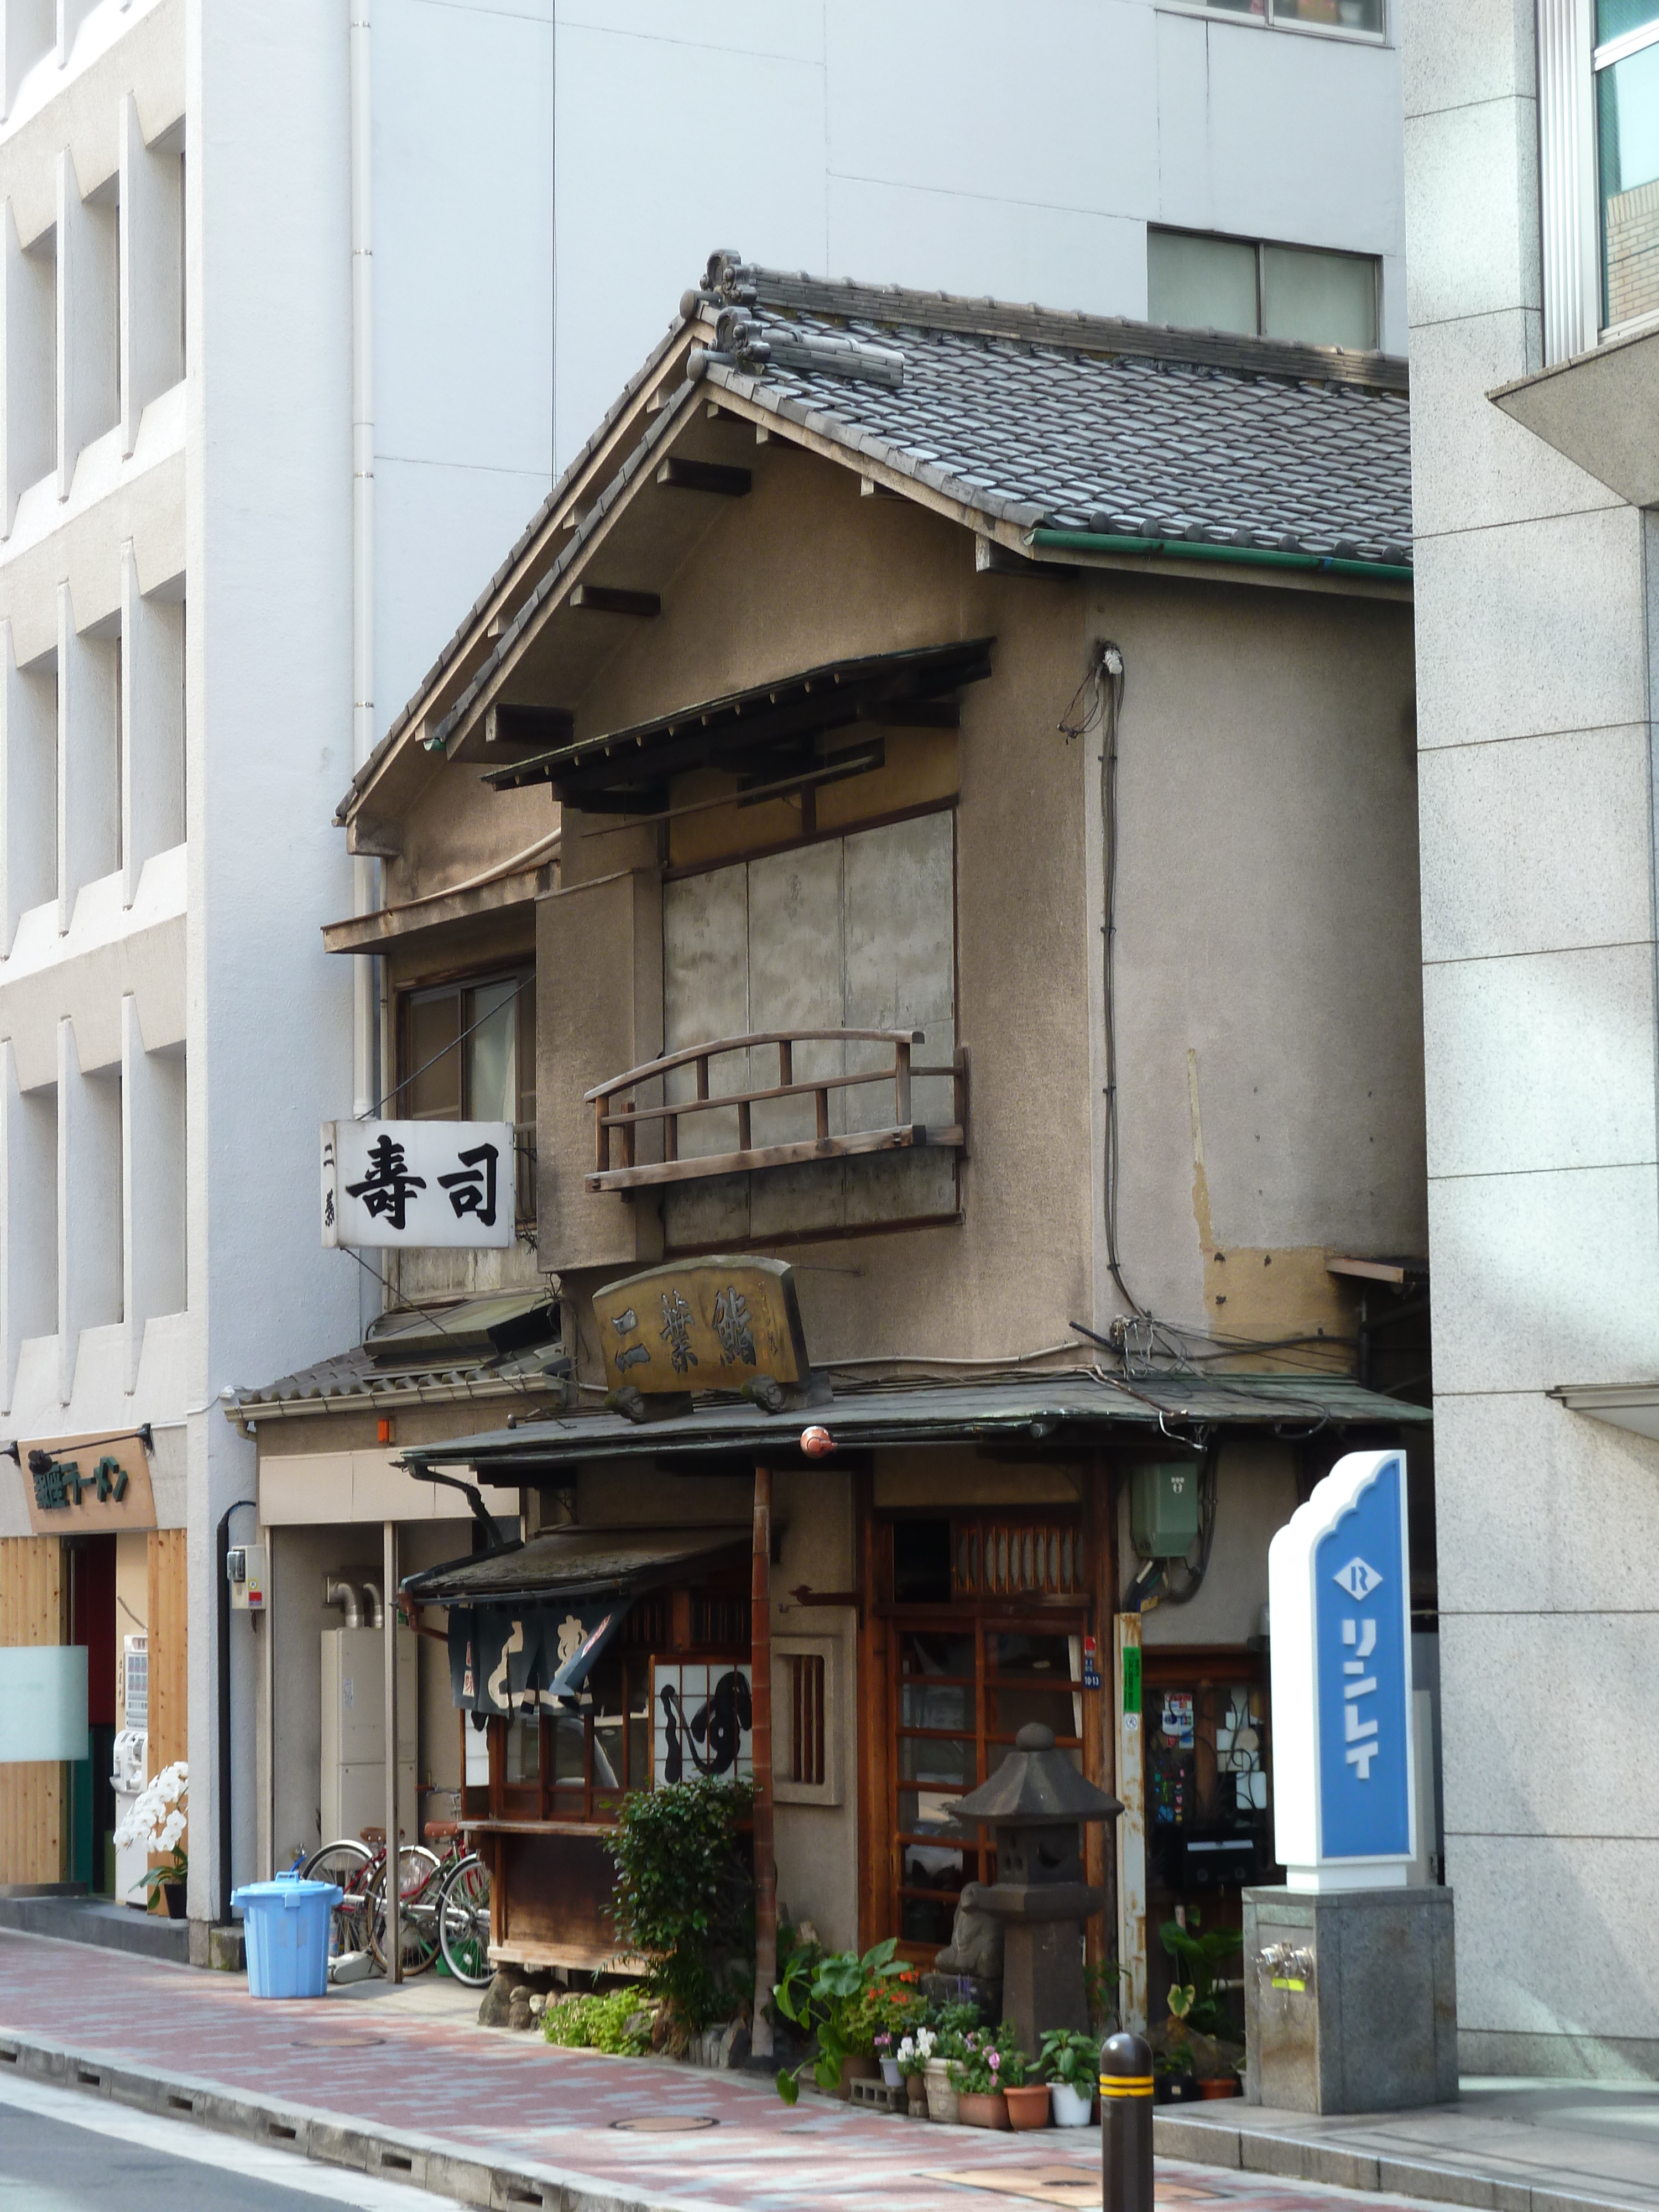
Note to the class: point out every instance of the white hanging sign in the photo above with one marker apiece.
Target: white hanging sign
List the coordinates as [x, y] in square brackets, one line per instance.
[1338, 1577]
[417, 1183]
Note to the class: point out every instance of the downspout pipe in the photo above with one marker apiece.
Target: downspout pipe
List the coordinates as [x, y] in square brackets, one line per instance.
[1194, 548]
[221, 1620]
[366, 1072]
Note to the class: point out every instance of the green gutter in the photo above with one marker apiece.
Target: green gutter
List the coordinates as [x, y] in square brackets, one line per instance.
[1192, 549]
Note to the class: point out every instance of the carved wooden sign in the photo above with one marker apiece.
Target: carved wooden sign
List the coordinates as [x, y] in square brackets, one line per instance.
[85, 1487]
[702, 1325]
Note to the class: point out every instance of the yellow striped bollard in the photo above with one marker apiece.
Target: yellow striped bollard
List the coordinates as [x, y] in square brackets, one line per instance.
[1126, 2124]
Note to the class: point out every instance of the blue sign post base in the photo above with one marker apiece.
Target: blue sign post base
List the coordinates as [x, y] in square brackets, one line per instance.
[1350, 1999]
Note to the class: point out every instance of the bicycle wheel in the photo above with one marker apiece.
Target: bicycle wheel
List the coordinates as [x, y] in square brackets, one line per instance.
[351, 1867]
[464, 1922]
[420, 1877]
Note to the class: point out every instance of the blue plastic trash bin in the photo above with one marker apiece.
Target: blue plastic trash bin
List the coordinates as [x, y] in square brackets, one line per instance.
[287, 1928]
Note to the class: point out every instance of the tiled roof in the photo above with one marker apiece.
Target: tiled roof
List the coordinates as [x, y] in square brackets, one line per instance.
[498, 1347]
[1252, 445]
[1028, 418]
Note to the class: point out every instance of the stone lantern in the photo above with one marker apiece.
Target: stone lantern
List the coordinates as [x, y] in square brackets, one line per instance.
[1035, 1805]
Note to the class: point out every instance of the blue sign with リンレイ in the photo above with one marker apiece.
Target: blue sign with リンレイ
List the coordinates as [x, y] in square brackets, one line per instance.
[1362, 1642]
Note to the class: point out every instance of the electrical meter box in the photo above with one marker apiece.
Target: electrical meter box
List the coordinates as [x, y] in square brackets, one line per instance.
[1163, 1510]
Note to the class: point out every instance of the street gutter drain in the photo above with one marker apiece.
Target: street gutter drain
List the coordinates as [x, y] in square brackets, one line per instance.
[667, 2124]
[88, 2079]
[397, 2162]
[182, 2103]
[282, 2133]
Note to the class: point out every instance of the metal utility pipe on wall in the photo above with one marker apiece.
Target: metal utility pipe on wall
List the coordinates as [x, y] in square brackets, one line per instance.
[365, 1071]
[760, 1756]
[394, 1934]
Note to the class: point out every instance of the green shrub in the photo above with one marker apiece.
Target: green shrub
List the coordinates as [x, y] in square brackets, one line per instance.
[684, 1901]
[601, 2023]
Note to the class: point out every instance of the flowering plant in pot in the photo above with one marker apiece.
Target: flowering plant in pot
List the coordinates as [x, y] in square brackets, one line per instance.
[989, 2065]
[157, 1822]
[1071, 2063]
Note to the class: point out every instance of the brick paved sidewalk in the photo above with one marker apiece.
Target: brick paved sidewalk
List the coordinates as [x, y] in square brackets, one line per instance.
[398, 2064]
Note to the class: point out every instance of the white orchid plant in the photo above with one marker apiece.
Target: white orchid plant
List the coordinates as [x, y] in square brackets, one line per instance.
[157, 1823]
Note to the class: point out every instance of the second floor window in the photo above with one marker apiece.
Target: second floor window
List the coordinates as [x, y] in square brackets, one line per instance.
[467, 1053]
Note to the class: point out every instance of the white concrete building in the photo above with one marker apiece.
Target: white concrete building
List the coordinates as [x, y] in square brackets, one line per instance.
[978, 147]
[298, 316]
[190, 333]
[1532, 143]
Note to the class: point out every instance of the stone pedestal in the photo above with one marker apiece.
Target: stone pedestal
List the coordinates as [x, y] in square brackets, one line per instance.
[1043, 1955]
[1350, 1999]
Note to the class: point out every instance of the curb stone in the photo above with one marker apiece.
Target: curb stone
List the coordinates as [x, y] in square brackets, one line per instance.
[1296, 2157]
[419, 2161]
[425, 2163]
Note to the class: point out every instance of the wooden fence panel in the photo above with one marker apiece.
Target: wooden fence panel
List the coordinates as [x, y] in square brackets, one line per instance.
[169, 1604]
[34, 1798]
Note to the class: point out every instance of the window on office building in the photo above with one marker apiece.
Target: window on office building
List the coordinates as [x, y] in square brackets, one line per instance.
[1598, 125]
[1626, 72]
[1354, 19]
[1195, 281]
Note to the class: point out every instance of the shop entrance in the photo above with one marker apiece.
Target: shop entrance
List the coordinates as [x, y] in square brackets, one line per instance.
[1208, 1817]
[92, 1793]
[986, 1634]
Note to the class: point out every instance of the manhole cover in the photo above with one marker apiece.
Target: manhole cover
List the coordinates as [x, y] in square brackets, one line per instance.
[667, 2124]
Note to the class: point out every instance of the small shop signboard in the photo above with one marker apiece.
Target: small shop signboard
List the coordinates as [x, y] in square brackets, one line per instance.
[417, 1183]
[702, 1325]
[87, 1486]
[1338, 1588]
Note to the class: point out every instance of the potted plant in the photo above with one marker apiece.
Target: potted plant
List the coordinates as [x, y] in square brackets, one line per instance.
[887, 2059]
[156, 1823]
[978, 2076]
[937, 2047]
[1194, 2045]
[1071, 2062]
[911, 2060]
[830, 1996]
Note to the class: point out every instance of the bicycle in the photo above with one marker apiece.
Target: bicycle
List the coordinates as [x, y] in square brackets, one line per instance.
[358, 1921]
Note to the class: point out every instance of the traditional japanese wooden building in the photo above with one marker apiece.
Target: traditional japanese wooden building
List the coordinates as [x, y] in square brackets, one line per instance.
[949, 770]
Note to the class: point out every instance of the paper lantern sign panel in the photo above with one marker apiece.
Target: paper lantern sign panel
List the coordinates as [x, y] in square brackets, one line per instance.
[701, 1716]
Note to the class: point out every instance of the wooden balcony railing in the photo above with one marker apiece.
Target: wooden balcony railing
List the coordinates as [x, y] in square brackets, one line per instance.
[620, 1122]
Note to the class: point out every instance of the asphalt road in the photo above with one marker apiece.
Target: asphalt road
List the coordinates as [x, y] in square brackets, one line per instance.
[63, 2152]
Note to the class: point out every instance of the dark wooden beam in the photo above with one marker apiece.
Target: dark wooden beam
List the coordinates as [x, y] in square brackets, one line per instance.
[705, 475]
[914, 713]
[509, 728]
[611, 600]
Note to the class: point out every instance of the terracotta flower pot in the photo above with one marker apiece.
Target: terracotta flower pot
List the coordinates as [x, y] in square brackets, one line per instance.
[1027, 2107]
[942, 2098]
[1227, 2086]
[974, 2110]
[860, 2066]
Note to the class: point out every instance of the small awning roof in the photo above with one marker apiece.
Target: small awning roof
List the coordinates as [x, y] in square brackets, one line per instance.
[625, 770]
[563, 1564]
[1059, 1413]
